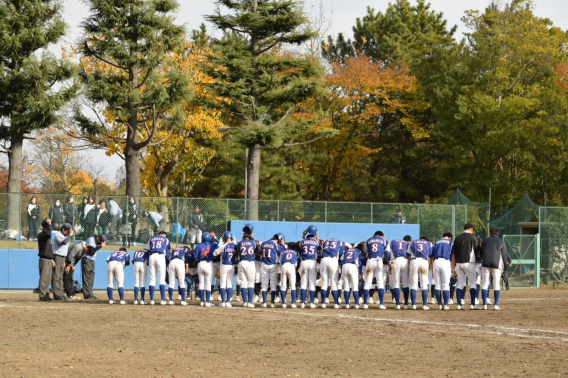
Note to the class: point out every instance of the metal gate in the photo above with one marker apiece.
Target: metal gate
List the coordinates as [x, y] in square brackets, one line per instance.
[525, 255]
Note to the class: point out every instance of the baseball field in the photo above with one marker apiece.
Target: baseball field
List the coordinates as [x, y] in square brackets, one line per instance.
[528, 337]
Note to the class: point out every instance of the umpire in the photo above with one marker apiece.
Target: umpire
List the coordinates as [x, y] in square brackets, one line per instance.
[88, 264]
[74, 255]
[46, 260]
[60, 250]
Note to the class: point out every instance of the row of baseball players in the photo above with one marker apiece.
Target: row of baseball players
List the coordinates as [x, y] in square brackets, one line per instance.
[409, 262]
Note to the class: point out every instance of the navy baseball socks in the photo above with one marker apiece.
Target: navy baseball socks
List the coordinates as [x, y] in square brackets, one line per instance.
[439, 296]
[485, 295]
[413, 297]
[473, 295]
[446, 297]
[142, 292]
[381, 296]
[264, 295]
[346, 296]
[223, 295]
[406, 292]
[324, 294]
[425, 297]
[163, 292]
[152, 290]
[208, 296]
[109, 293]
[121, 293]
[312, 296]
[136, 291]
[396, 293]
[303, 295]
[273, 296]
[202, 296]
[365, 296]
[335, 294]
[244, 294]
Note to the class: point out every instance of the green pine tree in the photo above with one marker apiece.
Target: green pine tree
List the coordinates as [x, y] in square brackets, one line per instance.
[130, 40]
[34, 85]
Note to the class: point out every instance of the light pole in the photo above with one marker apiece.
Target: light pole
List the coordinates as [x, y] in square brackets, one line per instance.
[225, 129]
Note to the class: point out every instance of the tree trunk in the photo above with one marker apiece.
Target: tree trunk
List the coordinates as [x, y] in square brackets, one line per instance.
[15, 169]
[253, 174]
[132, 165]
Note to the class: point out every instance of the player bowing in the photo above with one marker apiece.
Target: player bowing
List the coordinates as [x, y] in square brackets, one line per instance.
[329, 269]
[350, 271]
[227, 250]
[177, 271]
[270, 250]
[246, 251]
[288, 262]
[308, 272]
[140, 259]
[115, 270]
[442, 269]
[159, 250]
[376, 247]
[420, 251]
[203, 253]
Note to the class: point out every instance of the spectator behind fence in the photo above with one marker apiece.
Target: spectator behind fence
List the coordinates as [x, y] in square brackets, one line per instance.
[33, 218]
[60, 249]
[157, 221]
[103, 219]
[70, 211]
[57, 215]
[90, 217]
[115, 217]
[74, 255]
[81, 212]
[195, 221]
[46, 259]
[132, 215]
[88, 264]
[398, 217]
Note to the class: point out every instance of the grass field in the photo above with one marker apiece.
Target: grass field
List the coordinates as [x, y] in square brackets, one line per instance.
[528, 337]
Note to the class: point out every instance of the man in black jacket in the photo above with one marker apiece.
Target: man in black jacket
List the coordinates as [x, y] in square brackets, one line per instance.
[46, 260]
[494, 256]
[463, 264]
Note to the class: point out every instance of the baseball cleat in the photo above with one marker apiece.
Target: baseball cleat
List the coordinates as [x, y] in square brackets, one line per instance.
[316, 301]
[245, 304]
[365, 307]
[298, 300]
[237, 299]
[142, 302]
[284, 305]
[382, 307]
[122, 302]
[135, 302]
[277, 300]
[223, 304]
[171, 303]
[489, 301]
[256, 298]
[484, 307]
[339, 300]
[360, 300]
[461, 308]
[293, 305]
[425, 308]
[446, 307]
[393, 300]
[462, 302]
[397, 307]
[208, 304]
[357, 307]
[272, 305]
[263, 305]
[476, 301]
[473, 307]
[179, 297]
[110, 301]
[347, 306]
[219, 297]
[336, 306]
[371, 300]
[163, 303]
[303, 305]
[406, 307]
[326, 300]
[440, 307]
[497, 308]
[184, 303]
[202, 304]
[413, 307]
[228, 304]
[451, 301]
[313, 305]
[432, 301]
[251, 305]
[323, 305]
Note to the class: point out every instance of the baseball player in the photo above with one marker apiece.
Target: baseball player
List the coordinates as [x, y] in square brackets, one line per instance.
[350, 271]
[203, 253]
[191, 277]
[288, 262]
[420, 252]
[463, 264]
[399, 266]
[376, 247]
[270, 250]
[115, 270]
[329, 269]
[140, 260]
[494, 257]
[159, 252]
[177, 270]
[442, 269]
[215, 265]
[309, 247]
[228, 253]
[246, 251]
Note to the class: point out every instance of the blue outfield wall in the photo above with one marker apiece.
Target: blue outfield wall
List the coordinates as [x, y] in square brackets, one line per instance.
[348, 232]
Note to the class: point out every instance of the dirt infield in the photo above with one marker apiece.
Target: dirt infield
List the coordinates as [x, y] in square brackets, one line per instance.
[529, 337]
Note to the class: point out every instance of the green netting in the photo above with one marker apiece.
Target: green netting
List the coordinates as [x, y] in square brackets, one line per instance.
[475, 212]
[524, 211]
[553, 229]
[458, 198]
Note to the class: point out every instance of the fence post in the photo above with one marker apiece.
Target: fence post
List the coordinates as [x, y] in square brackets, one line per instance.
[278, 211]
[454, 220]
[418, 215]
[372, 219]
[325, 213]
[227, 217]
[537, 261]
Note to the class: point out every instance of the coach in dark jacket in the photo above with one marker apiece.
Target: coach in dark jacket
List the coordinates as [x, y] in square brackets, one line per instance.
[494, 258]
[463, 264]
[46, 260]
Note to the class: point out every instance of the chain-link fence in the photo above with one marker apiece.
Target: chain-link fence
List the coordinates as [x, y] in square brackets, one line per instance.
[553, 230]
[524, 252]
[129, 221]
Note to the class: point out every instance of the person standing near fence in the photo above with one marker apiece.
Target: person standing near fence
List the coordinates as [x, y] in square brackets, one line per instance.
[33, 218]
[90, 217]
[494, 258]
[157, 221]
[57, 215]
[46, 260]
[115, 218]
[131, 218]
[398, 218]
[60, 249]
[88, 264]
[70, 211]
[103, 219]
[195, 222]
[74, 255]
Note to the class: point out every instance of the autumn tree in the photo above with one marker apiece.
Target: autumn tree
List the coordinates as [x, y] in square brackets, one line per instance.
[263, 82]
[124, 48]
[33, 83]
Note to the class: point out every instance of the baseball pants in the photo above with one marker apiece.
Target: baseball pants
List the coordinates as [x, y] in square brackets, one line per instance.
[329, 271]
[374, 268]
[177, 268]
[226, 276]
[247, 271]
[57, 277]
[88, 276]
[400, 272]
[257, 270]
[466, 270]
[140, 272]
[115, 270]
[157, 264]
[194, 235]
[308, 275]
[419, 267]
[288, 276]
[442, 274]
[487, 273]
[204, 271]
[350, 277]
[269, 273]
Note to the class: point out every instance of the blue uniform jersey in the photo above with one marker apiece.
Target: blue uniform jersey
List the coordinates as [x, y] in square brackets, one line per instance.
[420, 249]
[333, 248]
[442, 249]
[289, 256]
[270, 250]
[204, 251]
[179, 253]
[120, 256]
[159, 244]
[141, 256]
[399, 248]
[376, 247]
[245, 249]
[229, 254]
[351, 256]
[309, 249]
